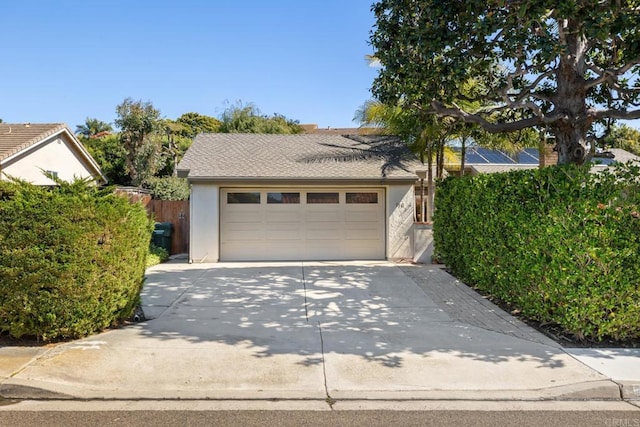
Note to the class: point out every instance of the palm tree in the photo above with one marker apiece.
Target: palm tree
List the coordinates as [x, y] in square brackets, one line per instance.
[93, 127]
[425, 134]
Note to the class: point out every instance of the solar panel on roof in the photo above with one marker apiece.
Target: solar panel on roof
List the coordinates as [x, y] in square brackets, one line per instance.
[534, 152]
[480, 155]
[495, 156]
[472, 156]
[526, 158]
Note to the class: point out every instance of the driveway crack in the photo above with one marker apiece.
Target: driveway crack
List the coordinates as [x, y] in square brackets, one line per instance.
[330, 400]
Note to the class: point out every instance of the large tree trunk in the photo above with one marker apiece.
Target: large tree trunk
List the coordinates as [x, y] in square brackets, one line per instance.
[571, 129]
[570, 141]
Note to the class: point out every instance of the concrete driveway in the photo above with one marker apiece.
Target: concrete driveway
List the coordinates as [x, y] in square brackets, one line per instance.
[354, 330]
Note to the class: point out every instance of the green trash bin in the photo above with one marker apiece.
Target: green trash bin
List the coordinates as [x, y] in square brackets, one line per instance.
[162, 236]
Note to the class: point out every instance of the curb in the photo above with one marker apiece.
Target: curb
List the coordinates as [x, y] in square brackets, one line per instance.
[603, 390]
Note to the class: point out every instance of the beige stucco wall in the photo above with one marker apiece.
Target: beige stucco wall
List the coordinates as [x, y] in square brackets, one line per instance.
[204, 223]
[422, 243]
[57, 155]
[400, 212]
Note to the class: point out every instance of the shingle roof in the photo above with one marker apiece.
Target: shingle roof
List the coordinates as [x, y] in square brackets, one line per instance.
[305, 156]
[623, 156]
[16, 137]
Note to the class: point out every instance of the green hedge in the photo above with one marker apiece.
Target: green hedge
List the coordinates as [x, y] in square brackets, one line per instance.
[72, 259]
[560, 244]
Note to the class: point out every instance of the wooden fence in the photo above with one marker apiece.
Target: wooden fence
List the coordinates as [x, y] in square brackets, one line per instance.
[177, 213]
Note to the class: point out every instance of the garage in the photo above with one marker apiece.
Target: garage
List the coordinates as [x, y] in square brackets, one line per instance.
[316, 197]
[279, 224]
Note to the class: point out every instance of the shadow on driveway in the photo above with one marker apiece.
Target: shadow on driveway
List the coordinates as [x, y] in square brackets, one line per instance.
[372, 311]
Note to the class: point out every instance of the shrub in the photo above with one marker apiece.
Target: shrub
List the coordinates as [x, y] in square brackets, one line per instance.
[168, 188]
[72, 259]
[156, 255]
[560, 244]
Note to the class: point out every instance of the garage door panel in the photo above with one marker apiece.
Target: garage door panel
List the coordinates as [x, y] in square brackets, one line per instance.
[286, 217]
[302, 227]
[323, 234]
[291, 235]
[283, 226]
[322, 216]
[367, 234]
[244, 235]
[362, 225]
[249, 250]
[355, 217]
[242, 216]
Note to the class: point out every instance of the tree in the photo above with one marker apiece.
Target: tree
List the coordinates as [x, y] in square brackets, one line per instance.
[175, 144]
[195, 123]
[426, 135]
[557, 66]
[138, 122]
[92, 128]
[110, 155]
[247, 118]
[625, 137]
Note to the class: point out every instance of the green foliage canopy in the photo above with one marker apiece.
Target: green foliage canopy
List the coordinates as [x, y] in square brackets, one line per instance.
[561, 66]
[93, 127]
[625, 137]
[241, 118]
[168, 188]
[110, 155]
[195, 123]
[138, 122]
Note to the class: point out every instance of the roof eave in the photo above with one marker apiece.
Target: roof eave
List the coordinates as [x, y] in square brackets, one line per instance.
[302, 180]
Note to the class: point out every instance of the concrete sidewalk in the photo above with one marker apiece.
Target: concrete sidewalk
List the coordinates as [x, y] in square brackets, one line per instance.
[311, 331]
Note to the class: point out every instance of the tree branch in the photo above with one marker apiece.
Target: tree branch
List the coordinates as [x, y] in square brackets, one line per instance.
[616, 114]
[442, 110]
[609, 74]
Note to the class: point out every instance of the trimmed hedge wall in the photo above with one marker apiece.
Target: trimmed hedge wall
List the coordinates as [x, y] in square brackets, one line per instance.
[72, 259]
[560, 244]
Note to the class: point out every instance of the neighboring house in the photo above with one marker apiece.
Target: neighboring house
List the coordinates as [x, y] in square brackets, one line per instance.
[483, 160]
[257, 197]
[26, 150]
[313, 128]
[618, 155]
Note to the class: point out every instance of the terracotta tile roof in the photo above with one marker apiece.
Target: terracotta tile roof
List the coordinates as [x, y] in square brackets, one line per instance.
[17, 137]
[304, 156]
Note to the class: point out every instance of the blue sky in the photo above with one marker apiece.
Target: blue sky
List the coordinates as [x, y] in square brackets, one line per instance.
[67, 60]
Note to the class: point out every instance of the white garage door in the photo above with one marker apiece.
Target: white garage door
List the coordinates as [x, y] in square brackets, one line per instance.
[293, 224]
